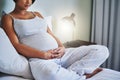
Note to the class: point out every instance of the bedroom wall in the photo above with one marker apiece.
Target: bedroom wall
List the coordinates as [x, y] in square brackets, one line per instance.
[59, 9]
[2, 4]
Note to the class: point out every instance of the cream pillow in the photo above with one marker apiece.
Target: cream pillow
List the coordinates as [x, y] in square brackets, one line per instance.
[10, 61]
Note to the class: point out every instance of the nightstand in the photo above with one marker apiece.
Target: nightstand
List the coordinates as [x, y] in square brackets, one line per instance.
[77, 43]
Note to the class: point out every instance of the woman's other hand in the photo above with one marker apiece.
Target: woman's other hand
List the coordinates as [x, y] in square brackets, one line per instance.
[55, 53]
[50, 54]
[59, 51]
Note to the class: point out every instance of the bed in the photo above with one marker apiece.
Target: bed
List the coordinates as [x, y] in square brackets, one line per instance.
[106, 74]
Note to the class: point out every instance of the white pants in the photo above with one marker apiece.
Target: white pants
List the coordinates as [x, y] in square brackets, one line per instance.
[72, 66]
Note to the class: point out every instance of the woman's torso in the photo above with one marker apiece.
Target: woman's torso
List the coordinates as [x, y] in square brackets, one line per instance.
[33, 32]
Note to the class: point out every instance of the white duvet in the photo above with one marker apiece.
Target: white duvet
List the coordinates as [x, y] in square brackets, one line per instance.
[106, 74]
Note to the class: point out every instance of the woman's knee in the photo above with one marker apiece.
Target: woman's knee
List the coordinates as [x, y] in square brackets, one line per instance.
[102, 51]
[44, 68]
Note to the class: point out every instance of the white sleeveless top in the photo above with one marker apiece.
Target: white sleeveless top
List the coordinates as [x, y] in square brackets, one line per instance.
[33, 32]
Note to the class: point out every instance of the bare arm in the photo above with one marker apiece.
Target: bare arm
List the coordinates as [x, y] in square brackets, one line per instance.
[61, 49]
[21, 48]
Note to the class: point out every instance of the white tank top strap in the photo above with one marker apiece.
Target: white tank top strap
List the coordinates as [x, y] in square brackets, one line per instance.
[37, 15]
[34, 14]
[11, 16]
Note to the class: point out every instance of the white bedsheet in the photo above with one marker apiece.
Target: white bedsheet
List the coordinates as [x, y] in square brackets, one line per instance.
[106, 74]
[12, 78]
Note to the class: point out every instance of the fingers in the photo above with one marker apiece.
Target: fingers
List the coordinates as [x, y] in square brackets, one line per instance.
[55, 53]
[58, 50]
[51, 51]
[54, 56]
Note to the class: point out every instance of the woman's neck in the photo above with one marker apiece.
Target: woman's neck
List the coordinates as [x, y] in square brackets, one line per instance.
[20, 12]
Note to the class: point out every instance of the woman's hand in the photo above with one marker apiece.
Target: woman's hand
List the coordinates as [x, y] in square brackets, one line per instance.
[55, 53]
[59, 51]
[50, 54]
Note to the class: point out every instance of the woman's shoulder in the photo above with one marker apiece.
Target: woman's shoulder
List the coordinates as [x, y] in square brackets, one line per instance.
[38, 14]
[6, 17]
[6, 21]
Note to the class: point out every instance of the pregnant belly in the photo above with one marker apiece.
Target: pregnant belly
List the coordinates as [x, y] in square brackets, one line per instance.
[40, 42]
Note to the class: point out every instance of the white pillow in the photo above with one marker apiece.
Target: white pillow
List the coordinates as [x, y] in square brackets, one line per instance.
[48, 20]
[10, 61]
[12, 78]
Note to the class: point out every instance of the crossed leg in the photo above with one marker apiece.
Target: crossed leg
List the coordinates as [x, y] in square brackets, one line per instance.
[85, 60]
[93, 73]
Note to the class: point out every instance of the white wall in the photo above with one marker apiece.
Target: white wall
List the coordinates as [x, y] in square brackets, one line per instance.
[60, 8]
[2, 4]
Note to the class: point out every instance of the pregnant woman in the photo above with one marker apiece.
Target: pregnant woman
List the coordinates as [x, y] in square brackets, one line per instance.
[48, 58]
